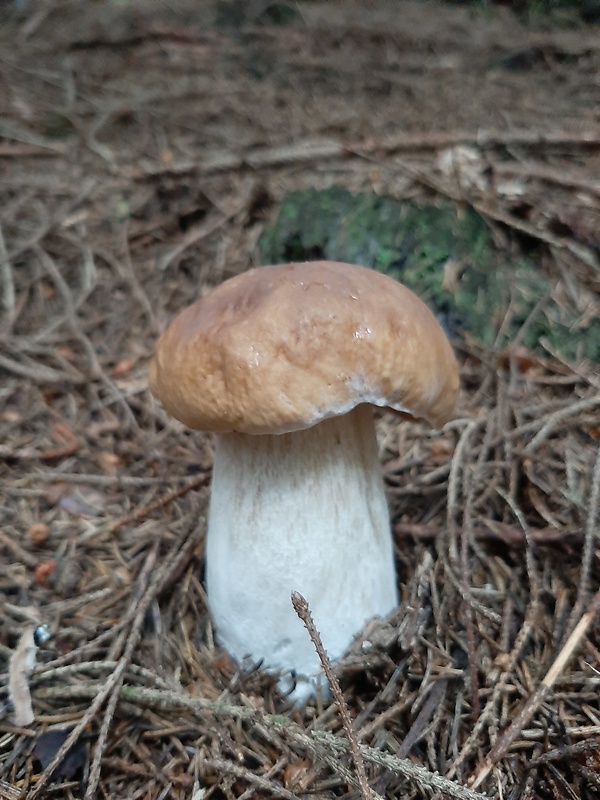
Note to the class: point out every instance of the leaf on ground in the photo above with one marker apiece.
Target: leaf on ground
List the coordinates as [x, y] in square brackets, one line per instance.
[47, 746]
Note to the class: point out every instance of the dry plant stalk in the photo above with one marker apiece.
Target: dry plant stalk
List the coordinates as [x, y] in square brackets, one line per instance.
[302, 609]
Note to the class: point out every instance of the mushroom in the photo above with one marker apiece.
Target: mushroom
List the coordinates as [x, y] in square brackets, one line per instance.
[285, 363]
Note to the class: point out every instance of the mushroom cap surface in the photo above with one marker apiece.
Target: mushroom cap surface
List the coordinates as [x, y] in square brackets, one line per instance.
[280, 348]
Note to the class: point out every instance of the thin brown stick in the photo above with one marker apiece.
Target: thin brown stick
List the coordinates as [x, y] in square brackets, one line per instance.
[469, 622]
[454, 487]
[140, 513]
[489, 709]
[574, 179]
[588, 546]
[555, 419]
[50, 476]
[302, 609]
[11, 543]
[40, 373]
[537, 698]
[23, 150]
[132, 641]
[494, 532]
[310, 150]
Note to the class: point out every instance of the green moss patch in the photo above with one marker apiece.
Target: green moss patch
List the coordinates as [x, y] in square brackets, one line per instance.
[445, 254]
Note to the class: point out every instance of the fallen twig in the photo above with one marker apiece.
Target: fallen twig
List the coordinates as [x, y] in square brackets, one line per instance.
[537, 698]
[495, 532]
[589, 545]
[316, 149]
[301, 608]
[144, 511]
[171, 700]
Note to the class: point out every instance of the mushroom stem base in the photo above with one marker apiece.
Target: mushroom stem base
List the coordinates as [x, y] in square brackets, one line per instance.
[303, 511]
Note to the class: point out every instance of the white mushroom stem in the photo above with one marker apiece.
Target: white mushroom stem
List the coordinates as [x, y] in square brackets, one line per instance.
[303, 511]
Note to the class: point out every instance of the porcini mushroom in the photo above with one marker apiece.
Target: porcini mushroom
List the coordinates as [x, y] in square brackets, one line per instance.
[284, 363]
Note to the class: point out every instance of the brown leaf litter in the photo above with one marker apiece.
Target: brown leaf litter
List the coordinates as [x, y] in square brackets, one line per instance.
[142, 150]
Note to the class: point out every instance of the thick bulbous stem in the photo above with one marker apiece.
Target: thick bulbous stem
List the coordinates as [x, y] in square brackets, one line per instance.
[303, 511]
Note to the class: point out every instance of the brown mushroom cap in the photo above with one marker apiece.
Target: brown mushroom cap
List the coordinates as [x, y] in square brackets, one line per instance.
[280, 348]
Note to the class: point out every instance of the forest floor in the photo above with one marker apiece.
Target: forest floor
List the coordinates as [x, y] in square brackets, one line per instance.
[143, 149]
